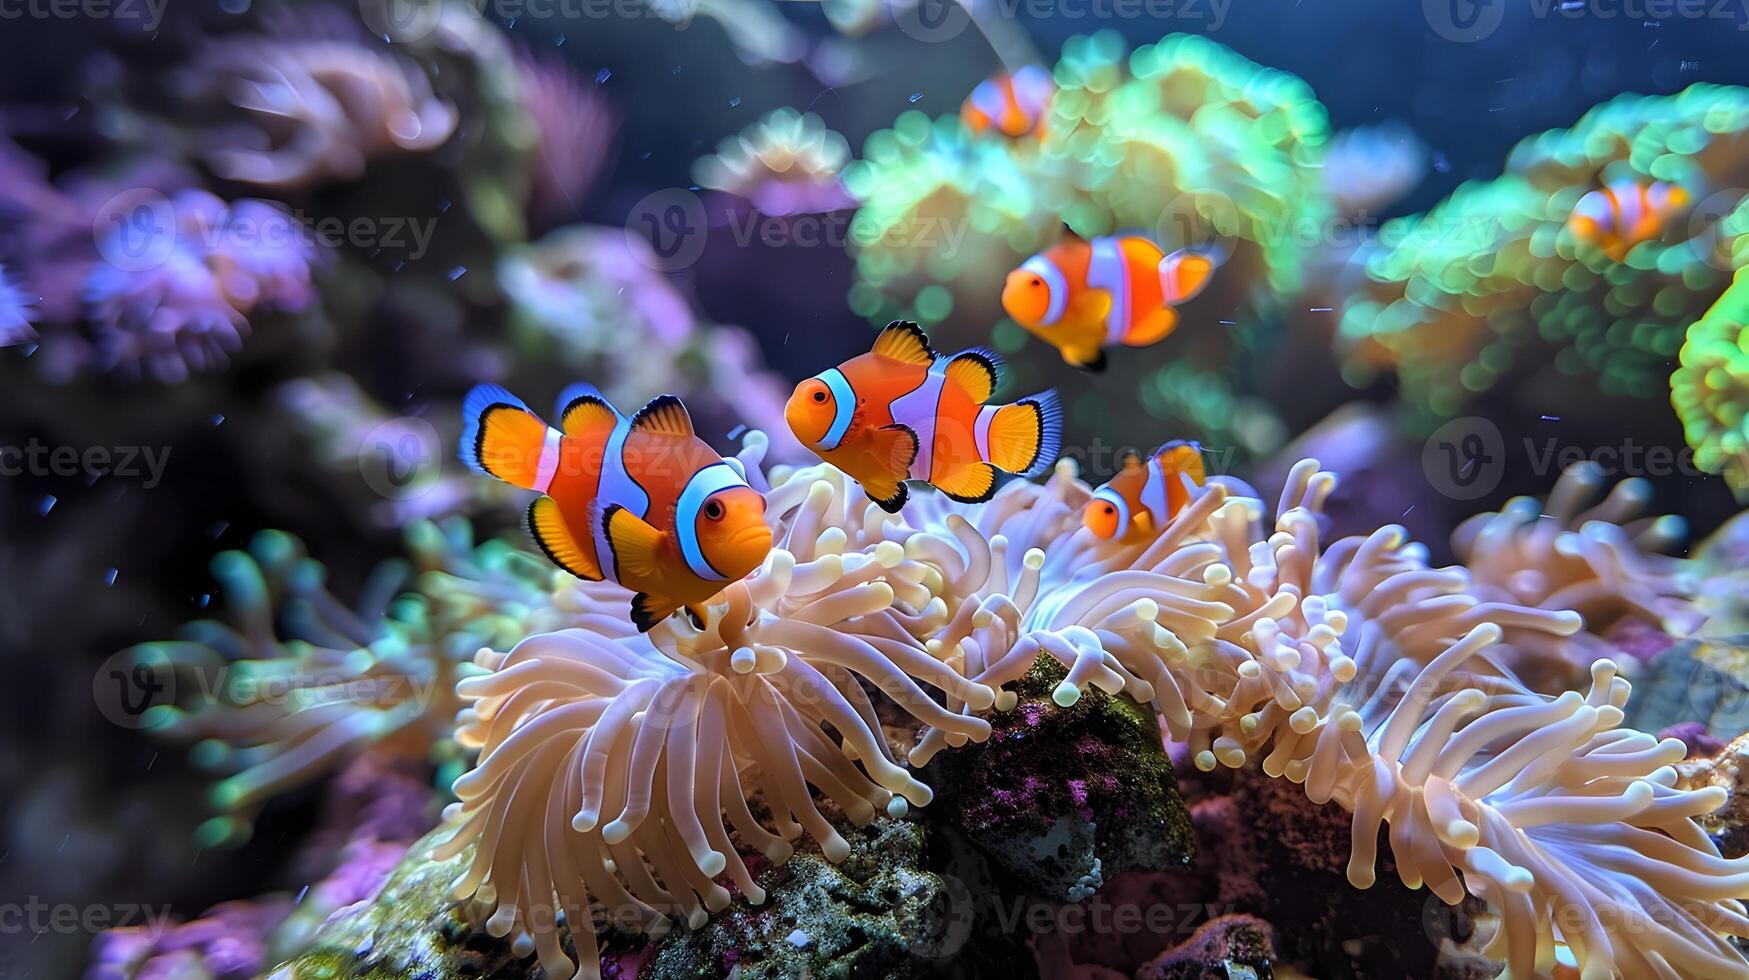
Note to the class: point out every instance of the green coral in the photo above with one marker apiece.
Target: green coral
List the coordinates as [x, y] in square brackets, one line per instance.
[290, 682]
[1491, 287]
[1710, 390]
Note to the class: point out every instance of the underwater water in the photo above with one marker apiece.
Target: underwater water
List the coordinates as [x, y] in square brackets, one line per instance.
[873, 488]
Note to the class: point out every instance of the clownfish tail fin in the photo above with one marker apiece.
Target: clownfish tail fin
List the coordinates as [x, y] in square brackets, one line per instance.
[502, 437]
[1027, 436]
[1185, 272]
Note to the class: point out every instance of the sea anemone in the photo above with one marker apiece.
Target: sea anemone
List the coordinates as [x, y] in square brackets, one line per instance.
[1603, 559]
[1710, 390]
[181, 304]
[1359, 671]
[292, 683]
[786, 163]
[314, 109]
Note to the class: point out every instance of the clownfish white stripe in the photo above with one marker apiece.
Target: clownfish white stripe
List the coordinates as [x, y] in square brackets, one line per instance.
[1055, 285]
[700, 488]
[981, 429]
[1154, 492]
[1116, 500]
[843, 404]
[1105, 270]
[549, 460]
[919, 409]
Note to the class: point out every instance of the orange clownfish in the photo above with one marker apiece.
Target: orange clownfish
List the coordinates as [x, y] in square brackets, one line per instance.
[901, 412]
[1144, 497]
[1081, 296]
[1013, 105]
[642, 502]
[1625, 213]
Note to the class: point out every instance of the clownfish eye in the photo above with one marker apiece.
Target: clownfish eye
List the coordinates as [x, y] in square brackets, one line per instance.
[1109, 509]
[713, 509]
[1036, 282]
[820, 397]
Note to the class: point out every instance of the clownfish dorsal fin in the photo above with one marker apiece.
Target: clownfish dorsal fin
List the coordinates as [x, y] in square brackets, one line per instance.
[905, 341]
[554, 538]
[635, 544]
[664, 414]
[582, 408]
[977, 371]
[1131, 460]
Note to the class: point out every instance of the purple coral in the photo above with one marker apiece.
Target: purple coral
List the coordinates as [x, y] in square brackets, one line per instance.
[173, 296]
[573, 132]
[16, 312]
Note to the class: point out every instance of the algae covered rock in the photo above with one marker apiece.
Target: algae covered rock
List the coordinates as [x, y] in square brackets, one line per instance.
[1065, 798]
[1235, 947]
[875, 915]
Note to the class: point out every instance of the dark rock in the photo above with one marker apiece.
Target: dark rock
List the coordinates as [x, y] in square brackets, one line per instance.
[1232, 947]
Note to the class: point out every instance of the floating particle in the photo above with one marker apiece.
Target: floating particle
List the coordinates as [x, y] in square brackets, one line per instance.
[47, 504]
[915, 96]
[218, 420]
[602, 76]
[559, 41]
[217, 528]
[457, 272]
[735, 102]
[443, 204]
[109, 576]
[205, 600]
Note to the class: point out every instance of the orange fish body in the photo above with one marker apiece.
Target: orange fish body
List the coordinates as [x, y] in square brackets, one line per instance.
[1011, 104]
[903, 413]
[640, 501]
[1144, 497]
[1624, 213]
[1083, 295]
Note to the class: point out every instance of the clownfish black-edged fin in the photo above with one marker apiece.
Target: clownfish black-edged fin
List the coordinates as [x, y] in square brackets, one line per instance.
[898, 445]
[665, 414]
[973, 483]
[635, 545]
[978, 371]
[648, 610]
[905, 341]
[1095, 366]
[581, 408]
[1027, 436]
[892, 502]
[501, 436]
[554, 538]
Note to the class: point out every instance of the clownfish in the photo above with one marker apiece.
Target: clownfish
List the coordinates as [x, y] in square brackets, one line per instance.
[1625, 213]
[1012, 104]
[640, 501]
[902, 412]
[1144, 496]
[1082, 296]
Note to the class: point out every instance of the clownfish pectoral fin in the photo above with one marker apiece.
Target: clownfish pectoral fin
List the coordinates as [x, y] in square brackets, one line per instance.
[905, 341]
[1092, 365]
[665, 414]
[1184, 273]
[888, 495]
[502, 437]
[1153, 328]
[649, 609]
[1142, 522]
[972, 483]
[581, 408]
[895, 448]
[554, 538]
[635, 544]
[1026, 437]
[977, 372]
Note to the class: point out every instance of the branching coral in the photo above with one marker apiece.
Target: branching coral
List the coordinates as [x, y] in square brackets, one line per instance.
[1492, 285]
[786, 163]
[314, 108]
[1374, 680]
[293, 683]
[180, 302]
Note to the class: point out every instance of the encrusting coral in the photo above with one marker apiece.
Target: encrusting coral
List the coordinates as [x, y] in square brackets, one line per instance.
[1710, 388]
[1358, 671]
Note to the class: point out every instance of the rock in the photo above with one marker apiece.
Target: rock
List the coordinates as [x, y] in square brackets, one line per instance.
[1699, 679]
[1232, 947]
[1064, 798]
[1728, 826]
[875, 915]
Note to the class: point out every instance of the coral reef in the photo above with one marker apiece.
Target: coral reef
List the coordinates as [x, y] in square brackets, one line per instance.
[1710, 388]
[1492, 291]
[1232, 945]
[16, 311]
